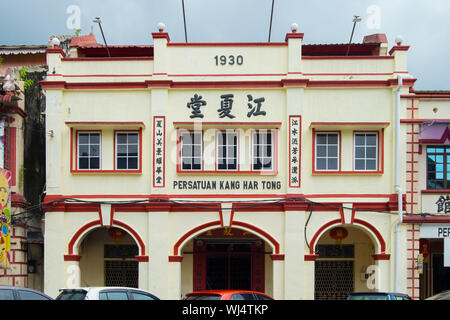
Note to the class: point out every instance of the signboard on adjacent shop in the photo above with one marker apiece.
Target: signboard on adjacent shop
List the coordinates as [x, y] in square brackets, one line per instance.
[438, 231]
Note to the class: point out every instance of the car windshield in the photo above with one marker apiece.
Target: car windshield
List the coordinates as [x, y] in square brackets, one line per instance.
[368, 297]
[72, 295]
[203, 297]
[440, 296]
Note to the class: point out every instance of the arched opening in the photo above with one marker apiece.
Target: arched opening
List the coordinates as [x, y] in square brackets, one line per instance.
[110, 252]
[226, 258]
[343, 263]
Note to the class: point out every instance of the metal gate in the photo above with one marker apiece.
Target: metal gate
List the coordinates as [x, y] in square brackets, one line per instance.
[121, 268]
[333, 279]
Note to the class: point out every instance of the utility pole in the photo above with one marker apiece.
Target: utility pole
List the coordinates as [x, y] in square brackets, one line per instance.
[97, 20]
[355, 20]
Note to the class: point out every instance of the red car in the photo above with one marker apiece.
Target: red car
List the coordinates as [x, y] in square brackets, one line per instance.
[227, 295]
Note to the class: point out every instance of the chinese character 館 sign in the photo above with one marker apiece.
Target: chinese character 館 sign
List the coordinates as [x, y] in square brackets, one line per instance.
[5, 218]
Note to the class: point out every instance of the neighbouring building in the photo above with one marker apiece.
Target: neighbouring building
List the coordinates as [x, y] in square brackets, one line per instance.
[268, 166]
[22, 155]
[428, 191]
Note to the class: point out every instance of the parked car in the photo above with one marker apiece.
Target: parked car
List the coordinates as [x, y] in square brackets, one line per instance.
[378, 296]
[444, 295]
[227, 295]
[19, 293]
[105, 293]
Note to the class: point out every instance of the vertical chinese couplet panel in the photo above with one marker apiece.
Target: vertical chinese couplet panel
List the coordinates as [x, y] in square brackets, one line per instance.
[5, 219]
[159, 142]
[294, 151]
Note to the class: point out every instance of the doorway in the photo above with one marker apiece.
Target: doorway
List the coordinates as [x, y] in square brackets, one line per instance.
[236, 262]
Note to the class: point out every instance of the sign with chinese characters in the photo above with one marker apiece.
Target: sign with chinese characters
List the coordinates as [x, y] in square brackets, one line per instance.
[254, 105]
[294, 151]
[159, 141]
[5, 219]
[443, 204]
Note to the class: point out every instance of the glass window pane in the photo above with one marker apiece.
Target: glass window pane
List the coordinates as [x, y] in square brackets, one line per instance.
[83, 138]
[94, 150]
[197, 151]
[121, 163]
[360, 139]
[371, 165]
[321, 164]
[6, 294]
[28, 295]
[439, 167]
[122, 138]
[132, 163]
[332, 138]
[371, 139]
[439, 150]
[102, 296]
[141, 296]
[440, 159]
[371, 152]
[360, 152]
[332, 151]
[94, 163]
[133, 151]
[94, 138]
[117, 296]
[439, 175]
[332, 164]
[83, 151]
[321, 138]
[83, 163]
[133, 138]
[321, 151]
[360, 165]
[121, 150]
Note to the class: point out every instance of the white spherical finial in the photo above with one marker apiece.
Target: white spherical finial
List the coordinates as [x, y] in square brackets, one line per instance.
[398, 40]
[161, 26]
[294, 27]
[55, 41]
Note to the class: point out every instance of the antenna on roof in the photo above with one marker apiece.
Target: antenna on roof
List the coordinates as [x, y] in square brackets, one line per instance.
[97, 20]
[271, 15]
[184, 18]
[355, 20]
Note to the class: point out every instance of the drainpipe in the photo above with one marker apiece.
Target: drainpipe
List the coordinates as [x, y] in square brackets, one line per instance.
[398, 190]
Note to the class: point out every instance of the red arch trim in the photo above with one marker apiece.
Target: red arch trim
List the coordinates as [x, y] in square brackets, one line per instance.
[89, 225]
[257, 230]
[177, 245]
[80, 232]
[358, 221]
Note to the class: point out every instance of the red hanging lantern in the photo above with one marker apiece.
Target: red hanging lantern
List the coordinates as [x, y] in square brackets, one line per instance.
[338, 234]
[116, 233]
[424, 248]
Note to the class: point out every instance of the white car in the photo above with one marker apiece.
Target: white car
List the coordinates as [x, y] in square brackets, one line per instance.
[105, 293]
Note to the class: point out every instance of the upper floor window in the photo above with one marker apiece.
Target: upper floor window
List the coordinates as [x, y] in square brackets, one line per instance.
[127, 150]
[262, 150]
[438, 167]
[327, 151]
[191, 150]
[366, 151]
[227, 150]
[89, 150]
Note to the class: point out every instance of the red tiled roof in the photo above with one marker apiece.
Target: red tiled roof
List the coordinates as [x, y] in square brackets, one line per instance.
[84, 41]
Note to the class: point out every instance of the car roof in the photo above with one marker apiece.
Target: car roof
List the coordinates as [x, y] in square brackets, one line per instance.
[24, 289]
[222, 292]
[378, 293]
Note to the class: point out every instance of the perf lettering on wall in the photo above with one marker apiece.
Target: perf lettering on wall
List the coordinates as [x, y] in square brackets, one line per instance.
[205, 185]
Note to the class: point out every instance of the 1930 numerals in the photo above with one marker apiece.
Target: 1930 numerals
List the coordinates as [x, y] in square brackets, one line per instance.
[231, 60]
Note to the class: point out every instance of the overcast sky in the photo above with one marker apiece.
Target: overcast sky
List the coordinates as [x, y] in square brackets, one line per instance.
[424, 24]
